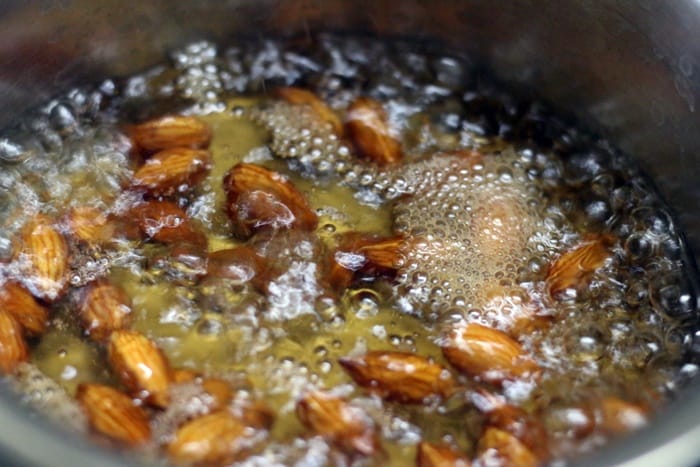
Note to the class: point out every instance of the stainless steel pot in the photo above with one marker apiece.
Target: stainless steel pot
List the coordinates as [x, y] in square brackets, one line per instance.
[630, 69]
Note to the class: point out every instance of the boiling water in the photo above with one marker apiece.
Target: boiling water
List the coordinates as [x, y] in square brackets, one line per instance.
[491, 226]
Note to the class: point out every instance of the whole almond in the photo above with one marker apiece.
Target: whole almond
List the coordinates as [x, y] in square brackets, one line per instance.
[43, 256]
[90, 225]
[173, 171]
[298, 96]
[259, 198]
[166, 222]
[217, 438]
[239, 264]
[368, 128]
[104, 308]
[618, 416]
[219, 390]
[113, 414]
[574, 268]
[488, 354]
[13, 348]
[528, 429]
[400, 376]
[19, 303]
[170, 131]
[346, 426]
[498, 447]
[141, 366]
[254, 414]
[433, 455]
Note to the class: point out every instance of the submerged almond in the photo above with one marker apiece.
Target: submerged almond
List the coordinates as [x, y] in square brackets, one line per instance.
[400, 376]
[141, 366]
[113, 414]
[166, 222]
[173, 171]
[368, 128]
[433, 455]
[90, 225]
[170, 131]
[104, 308]
[346, 426]
[498, 447]
[43, 255]
[618, 416]
[574, 268]
[13, 348]
[19, 303]
[238, 264]
[298, 96]
[488, 354]
[258, 198]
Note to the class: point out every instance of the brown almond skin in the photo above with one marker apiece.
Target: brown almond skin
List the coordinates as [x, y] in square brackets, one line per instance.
[166, 222]
[173, 171]
[528, 429]
[488, 354]
[13, 348]
[299, 96]
[170, 131]
[18, 302]
[113, 414]
[333, 418]
[43, 253]
[502, 448]
[258, 198]
[217, 438]
[574, 268]
[141, 366]
[238, 264]
[618, 417]
[104, 308]
[400, 376]
[433, 455]
[367, 127]
[90, 225]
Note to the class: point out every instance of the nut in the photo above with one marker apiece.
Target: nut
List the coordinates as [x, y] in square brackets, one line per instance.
[346, 426]
[43, 256]
[104, 308]
[239, 264]
[498, 447]
[574, 268]
[298, 96]
[488, 354]
[433, 455]
[258, 198]
[13, 348]
[368, 128]
[173, 171]
[113, 414]
[170, 131]
[400, 376]
[141, 366]
[618, 416]
[90, 225]
[19, 303]
[166, 222]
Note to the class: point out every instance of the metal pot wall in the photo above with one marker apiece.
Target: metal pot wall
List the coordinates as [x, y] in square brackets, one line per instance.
[628, 69]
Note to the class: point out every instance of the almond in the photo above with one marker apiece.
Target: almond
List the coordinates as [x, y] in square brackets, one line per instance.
[113, 414]
[433, 455]
[219, 390]
[526, 428]
[43, 256]
[141, 366]
[346, 426]
[90, 225]
[368, 128]
[574, 268]
[170, 131]
[184, 375]
[239, 264]
[488, 354]
[104, 308]
[400, 376]
[618, 416]
[173, 171]
[19, 303]
[298, 96]
[13, 348]
[218, 438]
[497, 447]
[259, 198]
[254, 414]
[166, 222]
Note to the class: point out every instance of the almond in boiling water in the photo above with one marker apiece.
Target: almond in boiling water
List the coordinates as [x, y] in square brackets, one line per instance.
[104, 308]
[498, 447]
[400, 376]
[113, 414]
[260, 198]
[298, 96]
[173, 171]
[43, 256]
[574, 268]
[488, 354]
[90, 225]
[346, 426]
[433, 455]
[170, 131]
[141, 366]
[13, 348]
[618, 416]
[166, 222]
[15, 300]
[368, 128]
